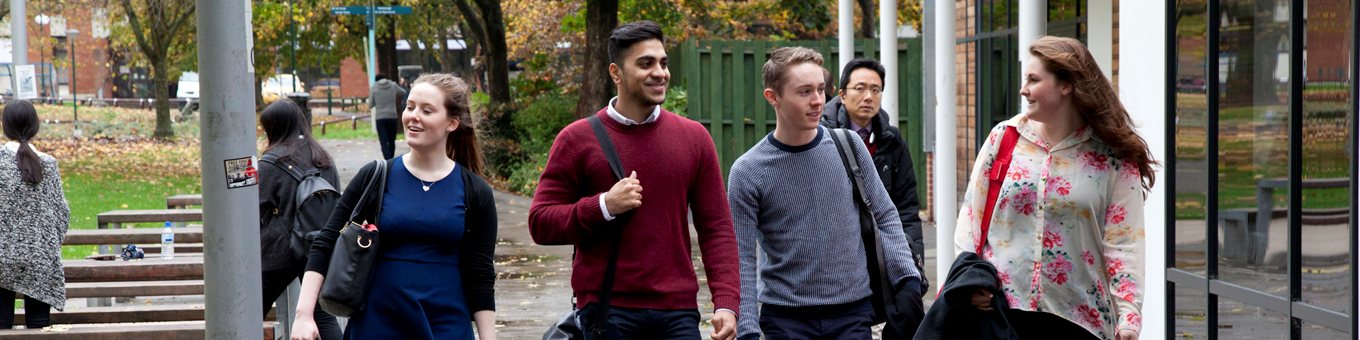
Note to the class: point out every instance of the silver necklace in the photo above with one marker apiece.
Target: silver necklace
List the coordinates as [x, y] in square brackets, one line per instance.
[425, 186]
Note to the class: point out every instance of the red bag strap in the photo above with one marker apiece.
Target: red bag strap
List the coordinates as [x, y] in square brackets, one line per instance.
[995, 176]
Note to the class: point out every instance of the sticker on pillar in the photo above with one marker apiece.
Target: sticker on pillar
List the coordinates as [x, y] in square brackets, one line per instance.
[241, 172]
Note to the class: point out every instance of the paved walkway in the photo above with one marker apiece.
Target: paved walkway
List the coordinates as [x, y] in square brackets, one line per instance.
[533, 282]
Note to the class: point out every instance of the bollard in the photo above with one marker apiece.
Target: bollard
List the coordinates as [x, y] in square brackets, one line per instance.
[329, 104]
[323, 128]
[353, 123]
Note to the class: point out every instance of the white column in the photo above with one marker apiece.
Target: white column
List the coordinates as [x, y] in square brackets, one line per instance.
[887, 54]
[19, 39]
[1100, 33]
[1143, 91]
[946, 201]
[845, 34]
[1033, 24]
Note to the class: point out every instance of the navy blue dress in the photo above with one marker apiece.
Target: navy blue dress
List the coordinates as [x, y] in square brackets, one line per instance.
[417, 288]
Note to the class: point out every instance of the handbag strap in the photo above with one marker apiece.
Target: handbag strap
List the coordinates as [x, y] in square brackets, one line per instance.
[373, 191]
[1001, 164]
[873, 243]
[601, 313]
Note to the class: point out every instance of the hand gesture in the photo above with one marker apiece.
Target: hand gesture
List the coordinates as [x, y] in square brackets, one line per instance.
[625, 196]
[724, 325]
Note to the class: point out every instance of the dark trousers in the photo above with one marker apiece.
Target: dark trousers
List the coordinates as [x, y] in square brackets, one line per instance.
[639, 323]
[387, 135]
[1042, 325]
[853, 321]
[36, 313]
[276, 281]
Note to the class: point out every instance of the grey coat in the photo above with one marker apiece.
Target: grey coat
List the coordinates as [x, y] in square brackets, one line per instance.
[383, 98]
[33, 219]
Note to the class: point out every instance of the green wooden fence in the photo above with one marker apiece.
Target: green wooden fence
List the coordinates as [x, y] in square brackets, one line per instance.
[723, 82]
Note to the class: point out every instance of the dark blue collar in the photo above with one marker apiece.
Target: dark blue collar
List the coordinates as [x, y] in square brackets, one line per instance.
[799, 148]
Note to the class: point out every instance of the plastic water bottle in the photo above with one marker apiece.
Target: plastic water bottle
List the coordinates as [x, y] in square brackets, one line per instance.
[167, 242]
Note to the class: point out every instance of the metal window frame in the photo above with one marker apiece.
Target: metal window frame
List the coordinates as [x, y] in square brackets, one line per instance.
[1291, 306]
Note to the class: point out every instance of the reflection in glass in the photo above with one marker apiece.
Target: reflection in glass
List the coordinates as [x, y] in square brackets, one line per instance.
[1325, 215]
[1191, 142]
[1253, 144]
[1241, 321]
[1191, 316]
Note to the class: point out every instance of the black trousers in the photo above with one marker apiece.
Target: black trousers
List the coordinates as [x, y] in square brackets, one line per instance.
[1042, 325]
[388, 128]
[36, 313]
[276, 281]
[639, 323]
[852, 321]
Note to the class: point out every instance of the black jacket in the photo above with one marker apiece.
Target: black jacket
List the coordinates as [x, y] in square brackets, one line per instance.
[953, 315]
[893, 162]
[277, 201]
[475, 254]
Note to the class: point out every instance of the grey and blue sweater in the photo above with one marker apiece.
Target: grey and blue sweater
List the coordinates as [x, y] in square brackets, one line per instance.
[794, 205]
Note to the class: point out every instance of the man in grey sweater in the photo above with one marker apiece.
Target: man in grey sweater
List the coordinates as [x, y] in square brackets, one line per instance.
[387, 100]
[793, 205]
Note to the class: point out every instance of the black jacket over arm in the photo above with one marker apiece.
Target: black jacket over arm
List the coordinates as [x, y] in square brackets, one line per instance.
[953, 315]
[479, 238]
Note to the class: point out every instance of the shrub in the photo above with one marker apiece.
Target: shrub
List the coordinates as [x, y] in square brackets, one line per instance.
[538, 123]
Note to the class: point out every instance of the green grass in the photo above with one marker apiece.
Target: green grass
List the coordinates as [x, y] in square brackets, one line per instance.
[89, 196]
[361, 129]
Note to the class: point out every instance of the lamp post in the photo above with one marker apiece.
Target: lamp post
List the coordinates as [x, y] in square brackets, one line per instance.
[43, 20]
[75, 102]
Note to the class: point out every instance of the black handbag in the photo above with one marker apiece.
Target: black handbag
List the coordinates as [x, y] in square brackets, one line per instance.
[568, 327]
[901, 309]
[345, 288]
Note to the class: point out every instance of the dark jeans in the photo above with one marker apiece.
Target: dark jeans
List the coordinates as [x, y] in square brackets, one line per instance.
[387, 135]
[276, 281]
[833, 322]
[1042, 325]
[36, 313]
[639, 323]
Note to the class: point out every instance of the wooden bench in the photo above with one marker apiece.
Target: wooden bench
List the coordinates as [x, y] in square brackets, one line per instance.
[128, 314]
[143, 331]
[183, 201]
[151, 269]
[1245, 231]
[115, 220]
[188, 235]
[134, 288]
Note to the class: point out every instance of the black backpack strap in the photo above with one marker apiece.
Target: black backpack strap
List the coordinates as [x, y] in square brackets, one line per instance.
[600, 315]
[273, 159]
[873, 243]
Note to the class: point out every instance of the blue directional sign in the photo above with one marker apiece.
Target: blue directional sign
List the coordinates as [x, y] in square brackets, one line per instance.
[379, 10]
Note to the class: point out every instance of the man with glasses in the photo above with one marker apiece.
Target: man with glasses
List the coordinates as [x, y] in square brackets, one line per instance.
[859, 108]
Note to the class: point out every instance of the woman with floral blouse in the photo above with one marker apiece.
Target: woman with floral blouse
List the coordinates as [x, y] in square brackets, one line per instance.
[1066, 233]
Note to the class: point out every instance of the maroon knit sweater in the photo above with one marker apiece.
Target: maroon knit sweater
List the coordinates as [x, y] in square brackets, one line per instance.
[677, 166]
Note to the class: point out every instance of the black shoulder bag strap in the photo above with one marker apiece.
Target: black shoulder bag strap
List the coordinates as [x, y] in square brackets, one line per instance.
[873, 243]
[273, 159]
[600, 315]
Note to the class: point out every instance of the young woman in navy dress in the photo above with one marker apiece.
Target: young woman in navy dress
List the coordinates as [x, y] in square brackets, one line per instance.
[434, 277]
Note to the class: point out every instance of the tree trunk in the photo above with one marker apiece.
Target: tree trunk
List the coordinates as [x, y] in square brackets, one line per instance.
[601, 18]
[498, 65]
[867, 15]
[160, 84]
[386, 48]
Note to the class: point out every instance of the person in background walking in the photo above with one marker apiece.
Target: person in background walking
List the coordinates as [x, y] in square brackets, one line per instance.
[34, 217]
[291, 143]
[859, 107]
[1066, 234]
[434, 277]
[387, 100]
[674, 158]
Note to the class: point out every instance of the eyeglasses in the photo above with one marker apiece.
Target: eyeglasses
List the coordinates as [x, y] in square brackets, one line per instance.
[874, 90]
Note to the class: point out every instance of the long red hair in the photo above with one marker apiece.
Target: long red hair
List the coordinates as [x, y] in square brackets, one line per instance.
[1096, 100]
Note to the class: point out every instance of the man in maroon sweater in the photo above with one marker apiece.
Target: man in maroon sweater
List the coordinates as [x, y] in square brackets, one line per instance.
[673, 157]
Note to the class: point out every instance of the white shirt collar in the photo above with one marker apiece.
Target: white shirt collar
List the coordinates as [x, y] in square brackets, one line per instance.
[618, 117]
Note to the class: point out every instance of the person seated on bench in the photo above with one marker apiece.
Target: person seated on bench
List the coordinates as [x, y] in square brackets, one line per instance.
[290, 140]
[33, 217]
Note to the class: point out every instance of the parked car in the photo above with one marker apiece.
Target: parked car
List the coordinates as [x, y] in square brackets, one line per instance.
[187, 86]
[279, 85]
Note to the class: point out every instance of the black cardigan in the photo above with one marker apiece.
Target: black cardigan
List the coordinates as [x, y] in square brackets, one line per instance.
[479, 239]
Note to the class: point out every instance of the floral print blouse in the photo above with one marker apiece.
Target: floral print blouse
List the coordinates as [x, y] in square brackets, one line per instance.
[1067, 231]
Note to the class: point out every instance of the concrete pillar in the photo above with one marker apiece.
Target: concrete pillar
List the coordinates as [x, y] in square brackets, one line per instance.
[946, 198]
[845, 13]
[231, 254]
[887, 54]
[1143, 90]
[1100, 34]
[1033, 24]
[18, 27]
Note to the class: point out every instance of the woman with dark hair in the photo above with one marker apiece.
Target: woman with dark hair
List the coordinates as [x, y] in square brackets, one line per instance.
[290, 145]
[33, 217]
[433, 278]
[1066, 233]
